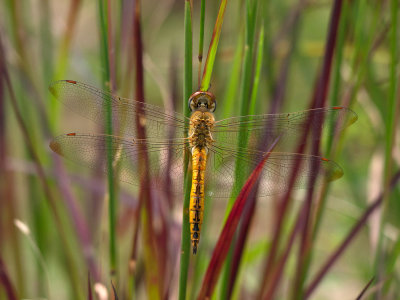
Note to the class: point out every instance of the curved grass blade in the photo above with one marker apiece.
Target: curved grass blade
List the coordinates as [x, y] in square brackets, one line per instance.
[6, 282]
[212, 50]
[245, 90]
[248, 216]
[151, 255]
[226, 236]
[112, 203]
[187, 91]
[320, 274]
[201, 38]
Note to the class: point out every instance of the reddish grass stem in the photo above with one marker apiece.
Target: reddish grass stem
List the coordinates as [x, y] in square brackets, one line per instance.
[225, 238]
[152, 258]
[349, 238]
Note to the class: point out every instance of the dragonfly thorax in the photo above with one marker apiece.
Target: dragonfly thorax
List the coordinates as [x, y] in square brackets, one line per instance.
[201, 124]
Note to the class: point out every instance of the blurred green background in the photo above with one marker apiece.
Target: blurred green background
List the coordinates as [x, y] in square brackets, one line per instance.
[68, 234]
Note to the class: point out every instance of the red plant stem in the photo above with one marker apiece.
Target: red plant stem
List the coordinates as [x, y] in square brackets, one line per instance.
[81, 227]
[226, 236]
[280, 216]
[322, 88]
[5, 281]
[349, 238]
[152, 259]
[320, 100]
[89, 286]
[242, 235]
[277, 271]
[111, 49]
[360, 296]
[39, 168]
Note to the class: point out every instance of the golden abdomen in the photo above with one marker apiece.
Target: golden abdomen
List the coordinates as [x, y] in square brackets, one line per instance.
[196, 206]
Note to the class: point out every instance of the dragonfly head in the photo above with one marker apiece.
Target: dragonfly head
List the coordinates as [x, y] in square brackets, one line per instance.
[204, 101]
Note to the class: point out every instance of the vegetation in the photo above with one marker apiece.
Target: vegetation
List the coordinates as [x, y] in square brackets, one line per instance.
[67, 232]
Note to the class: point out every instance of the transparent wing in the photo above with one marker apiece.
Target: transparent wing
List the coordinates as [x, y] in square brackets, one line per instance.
[91, 103]
[276, 173]
[289, 127]
[165, 157]
[166, 161]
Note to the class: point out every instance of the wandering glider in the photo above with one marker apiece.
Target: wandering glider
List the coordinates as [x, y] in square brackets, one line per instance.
[213, 144]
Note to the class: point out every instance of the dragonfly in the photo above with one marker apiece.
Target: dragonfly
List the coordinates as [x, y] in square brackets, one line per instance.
[216, 155]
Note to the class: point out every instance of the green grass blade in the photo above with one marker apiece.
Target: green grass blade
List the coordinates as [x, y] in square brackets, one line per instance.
[201, 37]
[234, 81]
[187, 91]
[212, 50]
[257, 74]
[112, 204]
[245, 91]
[390, 126]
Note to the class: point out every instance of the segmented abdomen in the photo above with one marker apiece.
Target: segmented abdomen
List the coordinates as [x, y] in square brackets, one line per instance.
[196, 206]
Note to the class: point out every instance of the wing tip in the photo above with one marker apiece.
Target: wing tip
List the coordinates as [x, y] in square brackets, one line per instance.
[334, 171]
[55, 146]
[54, 91]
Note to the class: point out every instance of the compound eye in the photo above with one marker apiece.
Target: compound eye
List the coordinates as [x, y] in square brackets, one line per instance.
[192, 105]
[212, 106]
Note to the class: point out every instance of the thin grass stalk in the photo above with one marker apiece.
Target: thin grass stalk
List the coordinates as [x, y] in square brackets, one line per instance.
[348, 239]
[245, 89]
[6, 282]
[281, 214]
[251, 203]
[391, 264]
[334, 101]
[172, 256]
[201, 39]
[324, 78]
[62, 57]
[363, 53]
[390, 125]
[231, 91]
[364, 290]
[151, 256]
[364, 47]
[46, 40]
[226, 237]
[30, 86]
[8, 203]
[277, 102]
[89, 288]
[187, 91]
[268, 66]
[114, 291]
[257, 72]
[7, 206]
[212, 49]
[111, 49]
[42, 178]
[132, 265]
[133, 259]
[245, 92]
[278, 268]
[112, 205]
[304, 257]
[80, 225]
[280, 86]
